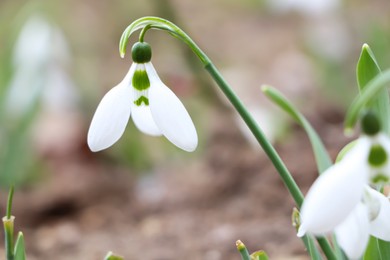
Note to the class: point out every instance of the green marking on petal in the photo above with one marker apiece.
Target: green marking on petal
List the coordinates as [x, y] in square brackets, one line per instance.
[141, 80]
[377, 156]
[140, 100]
[379, 178]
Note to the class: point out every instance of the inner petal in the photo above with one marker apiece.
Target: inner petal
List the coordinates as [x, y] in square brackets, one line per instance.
[143, 119]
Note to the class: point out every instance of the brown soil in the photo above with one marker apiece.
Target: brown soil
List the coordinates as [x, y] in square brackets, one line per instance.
[192, 211]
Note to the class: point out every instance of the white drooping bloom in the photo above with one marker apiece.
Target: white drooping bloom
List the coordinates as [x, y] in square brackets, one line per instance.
[369, 217]
[155, 110]
[340, 200]
[40, 60]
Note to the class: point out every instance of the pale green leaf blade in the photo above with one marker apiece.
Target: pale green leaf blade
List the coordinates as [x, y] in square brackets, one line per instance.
[321, 155]
[367, 69]
[110, 256]
[20, 251]
[383, 248]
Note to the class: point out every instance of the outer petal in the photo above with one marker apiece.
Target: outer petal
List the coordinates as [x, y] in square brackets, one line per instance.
[336, 192]
[380, 225]
[143, 120]
[352, 235]
[170, 115]
[110, 119]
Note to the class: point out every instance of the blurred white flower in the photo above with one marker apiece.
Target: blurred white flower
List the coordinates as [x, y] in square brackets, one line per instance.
[39, 59]
[370, 217]
[307, 7]
[340, 201]
[155, 110]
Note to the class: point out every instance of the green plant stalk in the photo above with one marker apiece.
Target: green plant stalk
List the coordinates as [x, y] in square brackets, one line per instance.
[267, 147]
[258, 133]
[9, 237]
[8, 222]
[146, 23]
[9, 202]
[243, 250]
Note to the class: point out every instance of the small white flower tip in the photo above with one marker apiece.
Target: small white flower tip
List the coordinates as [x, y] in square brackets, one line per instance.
[301, 231]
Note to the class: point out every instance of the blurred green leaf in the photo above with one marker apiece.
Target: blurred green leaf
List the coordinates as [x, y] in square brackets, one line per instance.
[372, 250]
[111, 256]
[20, 251]
[383, 248]
[377, 249]
[321, 155]
[367, 94]
[367, 69]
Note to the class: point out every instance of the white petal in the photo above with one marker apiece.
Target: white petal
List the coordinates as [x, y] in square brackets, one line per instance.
[336, 192]
[170, 115]
[352, 234]
[143, 120]
[110, 119]
[380, 225]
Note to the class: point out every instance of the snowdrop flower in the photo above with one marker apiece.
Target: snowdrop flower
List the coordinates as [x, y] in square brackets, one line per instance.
[333, 201]
[370, 217]
[155, 109]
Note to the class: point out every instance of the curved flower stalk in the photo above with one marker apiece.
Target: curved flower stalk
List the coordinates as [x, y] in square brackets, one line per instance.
[154, 107]
[340, 200]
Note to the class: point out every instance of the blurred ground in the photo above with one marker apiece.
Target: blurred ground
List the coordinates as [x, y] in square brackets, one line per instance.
[192, 211]
[190, 206]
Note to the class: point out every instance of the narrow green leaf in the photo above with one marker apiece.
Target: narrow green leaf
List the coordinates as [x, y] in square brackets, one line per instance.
[111, 256]
[20, 251]
[383, 248]
[242, 250]
[372, 250]
[367, 69]
[321, 155]
[369, 93]
[8, 224]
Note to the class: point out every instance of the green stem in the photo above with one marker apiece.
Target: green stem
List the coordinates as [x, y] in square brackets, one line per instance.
[143, 32]
[243, 250]
[8, 222]
[9, 236]
[258, 133]
[9, 203]
[281, 168]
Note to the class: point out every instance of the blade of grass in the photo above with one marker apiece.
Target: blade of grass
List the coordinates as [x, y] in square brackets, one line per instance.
[321, 155]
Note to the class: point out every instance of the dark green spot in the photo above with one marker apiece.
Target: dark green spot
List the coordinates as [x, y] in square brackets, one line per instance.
[380, 178]
[370, 123]
[140, 80]
[141, 52]
[377, 156]
[140, 100]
